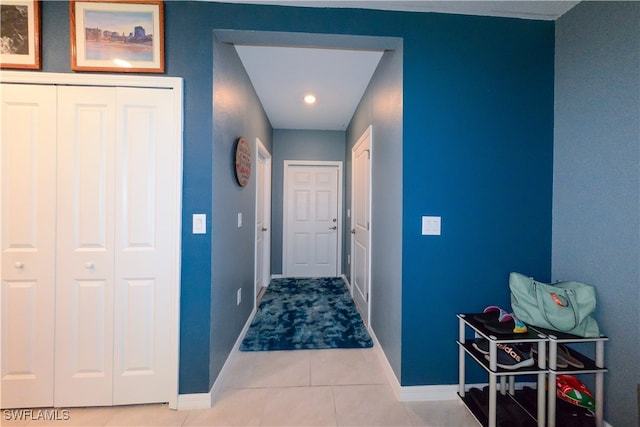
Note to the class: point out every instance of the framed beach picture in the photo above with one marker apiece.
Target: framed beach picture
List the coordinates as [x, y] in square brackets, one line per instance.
[118, 36]
[20, 34]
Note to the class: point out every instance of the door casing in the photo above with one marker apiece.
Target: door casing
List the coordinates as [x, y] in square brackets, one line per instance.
[285, 220]
[363, 302]
[264, 157]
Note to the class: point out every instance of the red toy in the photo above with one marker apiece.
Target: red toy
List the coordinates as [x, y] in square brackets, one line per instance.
[572, 390]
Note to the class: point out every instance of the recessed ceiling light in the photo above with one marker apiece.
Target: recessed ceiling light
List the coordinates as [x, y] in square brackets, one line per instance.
[310, 99]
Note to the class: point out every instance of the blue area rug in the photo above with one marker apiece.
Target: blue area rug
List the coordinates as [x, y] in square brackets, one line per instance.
[297, 314]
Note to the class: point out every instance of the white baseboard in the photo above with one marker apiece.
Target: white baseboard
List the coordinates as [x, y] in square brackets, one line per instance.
[194, 401]
[412, 393]
[421, 393]
[386, 366]
[206, 400]
[217, 385]
[425, 393]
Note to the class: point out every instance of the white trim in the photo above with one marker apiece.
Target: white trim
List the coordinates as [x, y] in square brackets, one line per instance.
[340, 231]
[428, 393]
[176, 256]
[176, 85]
[206, 400]
[194, 401]
[217, 385]
[368, 132]
[422, 393]
[386, 366]
[265, 155]
[74, 79]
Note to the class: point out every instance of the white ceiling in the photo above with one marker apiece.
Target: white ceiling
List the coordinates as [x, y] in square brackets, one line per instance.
[283, 75]
[549, 10]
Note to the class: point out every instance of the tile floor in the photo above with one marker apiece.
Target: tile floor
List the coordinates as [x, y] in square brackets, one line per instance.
[286, 388]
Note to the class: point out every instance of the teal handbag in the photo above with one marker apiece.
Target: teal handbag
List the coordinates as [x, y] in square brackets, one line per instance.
[565, 306]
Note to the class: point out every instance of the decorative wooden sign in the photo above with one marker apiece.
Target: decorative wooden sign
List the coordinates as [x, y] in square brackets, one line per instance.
[243, 162]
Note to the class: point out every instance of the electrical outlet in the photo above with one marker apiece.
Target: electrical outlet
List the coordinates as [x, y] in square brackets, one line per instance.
[239, 296]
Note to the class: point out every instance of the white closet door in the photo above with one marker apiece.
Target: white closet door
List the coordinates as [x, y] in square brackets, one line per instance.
[144, 206]
[85, 246]
[114, 246]
[27, 209]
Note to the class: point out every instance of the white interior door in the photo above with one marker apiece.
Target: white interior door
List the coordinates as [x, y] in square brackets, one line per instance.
[114, 250]
[312, 220]
[85, 246]
[27, 209]
[263, 215]
[143, 267]
[361, 223]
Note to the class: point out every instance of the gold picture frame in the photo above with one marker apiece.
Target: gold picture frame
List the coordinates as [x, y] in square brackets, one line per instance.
[119, 36]
[20, 34]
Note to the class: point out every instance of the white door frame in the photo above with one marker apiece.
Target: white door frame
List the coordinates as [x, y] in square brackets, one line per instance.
[263, 155]
[367, 135]
[339, 231]
[176, 85]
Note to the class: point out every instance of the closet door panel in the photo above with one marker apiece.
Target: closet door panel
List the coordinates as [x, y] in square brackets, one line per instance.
[27, 212]
[85, 246]
[143, 245]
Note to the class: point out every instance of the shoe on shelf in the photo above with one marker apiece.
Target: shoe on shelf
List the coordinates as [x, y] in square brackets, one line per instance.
[565, 354]
[492, 314]
[481, 344]
[511, 356]
[560, 362]
[509, 324]
[499, 321]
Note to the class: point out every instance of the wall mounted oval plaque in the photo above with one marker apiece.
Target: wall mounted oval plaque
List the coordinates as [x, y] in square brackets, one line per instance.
[243, 162]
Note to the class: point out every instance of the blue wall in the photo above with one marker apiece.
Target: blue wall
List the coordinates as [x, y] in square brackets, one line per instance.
[289, 144]
[477, 150]
[478, 141]
[596, 214]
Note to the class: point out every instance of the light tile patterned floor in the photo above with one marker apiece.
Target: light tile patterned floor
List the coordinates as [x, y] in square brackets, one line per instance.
[287, 388]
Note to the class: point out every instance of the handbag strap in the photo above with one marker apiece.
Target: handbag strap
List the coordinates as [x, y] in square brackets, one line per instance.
[571, 304]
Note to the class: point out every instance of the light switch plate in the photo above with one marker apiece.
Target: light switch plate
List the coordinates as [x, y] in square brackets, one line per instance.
[239, 219]
[431, 225]
[199, 224]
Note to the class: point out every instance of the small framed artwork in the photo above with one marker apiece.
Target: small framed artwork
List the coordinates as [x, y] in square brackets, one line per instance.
[117, 36]
[20, 34]
[243, 161]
